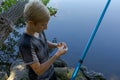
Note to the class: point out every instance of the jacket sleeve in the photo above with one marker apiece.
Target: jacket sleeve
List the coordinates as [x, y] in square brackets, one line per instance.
[28, 54]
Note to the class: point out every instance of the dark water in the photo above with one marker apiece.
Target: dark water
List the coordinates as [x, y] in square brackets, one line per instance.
[74, 23]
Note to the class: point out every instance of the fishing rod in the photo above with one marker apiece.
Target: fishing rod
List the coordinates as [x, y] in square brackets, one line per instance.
[89, 42]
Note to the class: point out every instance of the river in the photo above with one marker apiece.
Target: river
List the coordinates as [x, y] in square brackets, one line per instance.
[74, 23]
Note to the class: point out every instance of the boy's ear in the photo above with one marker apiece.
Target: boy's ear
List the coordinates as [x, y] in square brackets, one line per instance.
[30, 22]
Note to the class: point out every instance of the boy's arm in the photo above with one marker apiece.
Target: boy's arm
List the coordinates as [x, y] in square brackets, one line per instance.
[41, 68]
[52, 45]
[56, 45]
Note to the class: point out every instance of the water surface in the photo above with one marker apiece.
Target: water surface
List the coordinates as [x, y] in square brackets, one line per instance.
[74, 23]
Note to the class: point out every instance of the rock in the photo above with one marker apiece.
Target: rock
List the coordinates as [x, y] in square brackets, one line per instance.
[18, 71]
[78, 77]
[61, 73]
[59, 63]
[65, 73]
[3, 76]
[92, 75]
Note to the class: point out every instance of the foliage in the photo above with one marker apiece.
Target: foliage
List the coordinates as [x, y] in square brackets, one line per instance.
[9, 53]
[10, 49]
[52, 10]
[45, 2]
[6, 4]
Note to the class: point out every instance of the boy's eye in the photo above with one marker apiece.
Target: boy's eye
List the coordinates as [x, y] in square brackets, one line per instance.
[44, 24]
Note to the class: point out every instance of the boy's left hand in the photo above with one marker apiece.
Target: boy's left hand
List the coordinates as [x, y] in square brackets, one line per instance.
[61, 44]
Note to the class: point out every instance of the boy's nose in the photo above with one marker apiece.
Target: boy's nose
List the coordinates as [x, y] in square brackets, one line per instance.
[45, 27]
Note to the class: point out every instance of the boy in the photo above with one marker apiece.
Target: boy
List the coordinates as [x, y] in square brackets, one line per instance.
[33, 44]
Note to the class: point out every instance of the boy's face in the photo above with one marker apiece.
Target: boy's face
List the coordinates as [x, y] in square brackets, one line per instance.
[40, 26]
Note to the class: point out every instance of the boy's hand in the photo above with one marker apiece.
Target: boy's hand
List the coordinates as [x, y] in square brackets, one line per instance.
[61, 44]
[62, 49]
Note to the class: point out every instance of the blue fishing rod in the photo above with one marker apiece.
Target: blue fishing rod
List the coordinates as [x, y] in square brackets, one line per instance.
[89, 43]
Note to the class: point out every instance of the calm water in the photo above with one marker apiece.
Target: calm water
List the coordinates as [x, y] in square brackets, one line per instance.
[74, 23]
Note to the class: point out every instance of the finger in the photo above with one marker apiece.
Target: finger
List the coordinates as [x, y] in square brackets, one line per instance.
[63, 43]
[62, 47]
[60, 44]
[66, 49]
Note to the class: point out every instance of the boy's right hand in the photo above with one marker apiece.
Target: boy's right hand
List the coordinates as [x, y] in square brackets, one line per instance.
[61, 50]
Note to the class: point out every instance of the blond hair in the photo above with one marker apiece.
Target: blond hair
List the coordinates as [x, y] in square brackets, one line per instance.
[35, 10]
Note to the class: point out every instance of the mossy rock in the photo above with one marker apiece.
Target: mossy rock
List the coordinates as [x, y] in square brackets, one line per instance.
[65, 73]
[3, 76]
